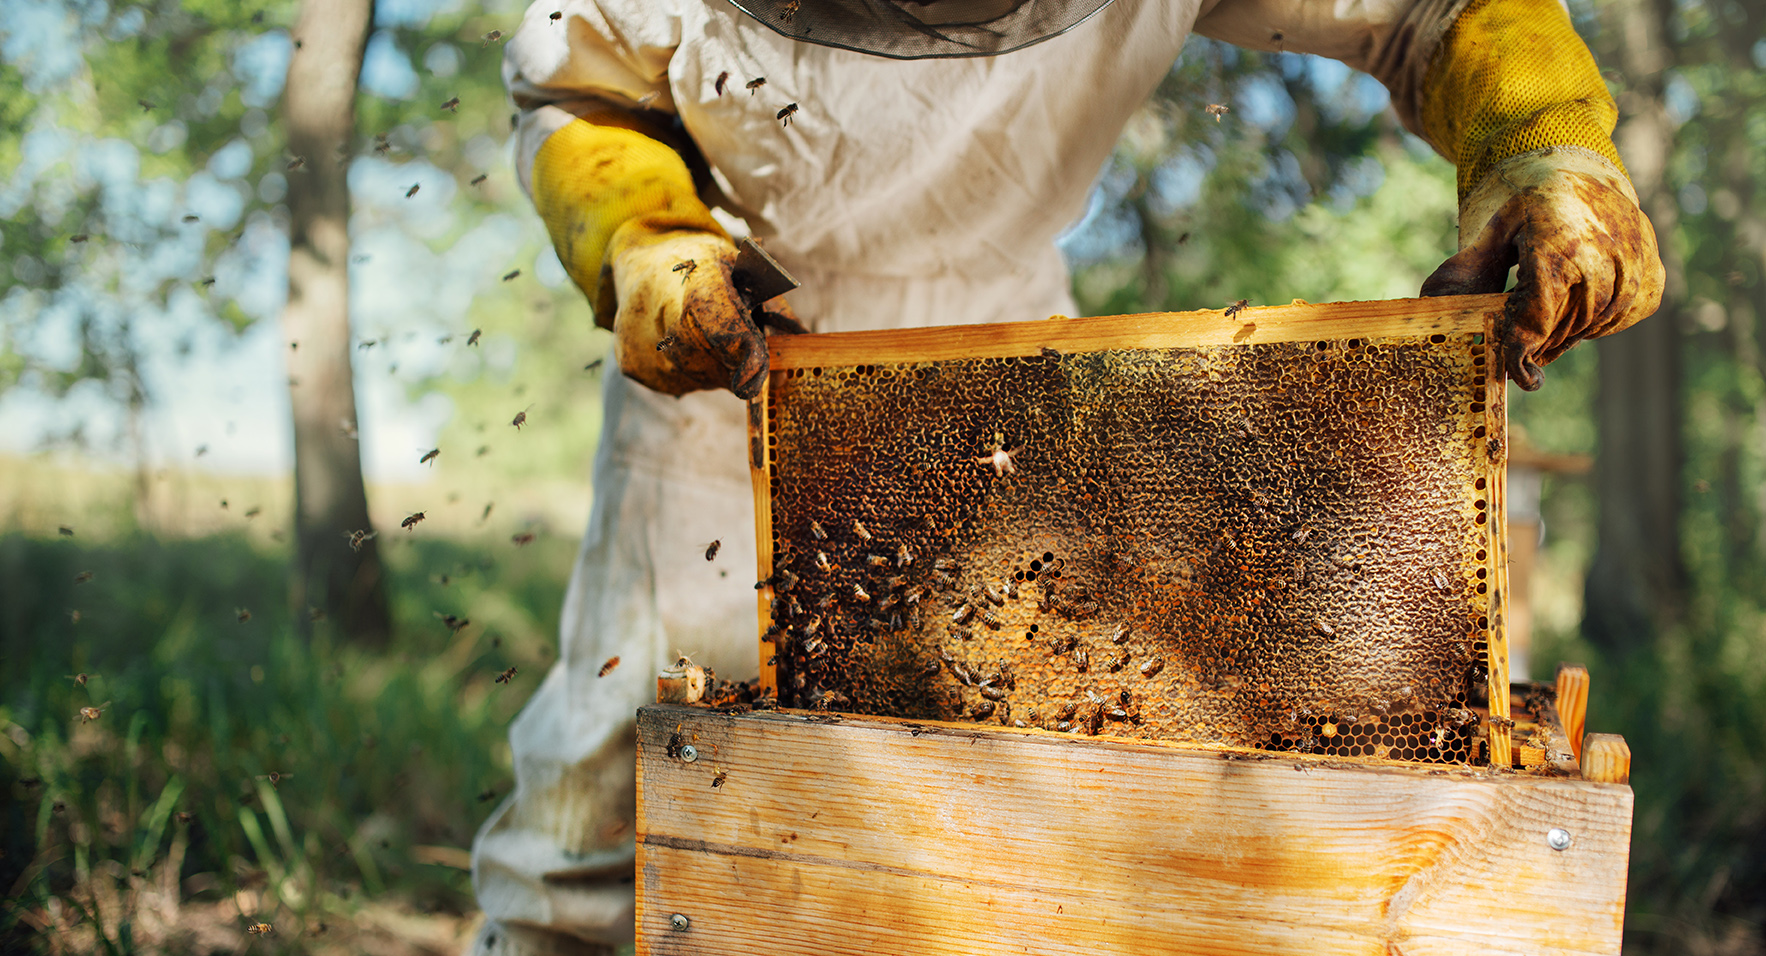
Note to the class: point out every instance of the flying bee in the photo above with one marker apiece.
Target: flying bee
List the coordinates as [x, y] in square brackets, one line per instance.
[429, 456]
[491, 38]
[452, 106]
[275, 777]
[520, 418]
[473, 338]
[785, 114]
[963, 613]
[83, 577]
[454, 623]
[89, 714]
[1234, 309]
[145, 105]
[1152, 667]
[711, 549]
[481, 177]
[858, 528]
[79, 679]
[411, 520]
[260, 929]
[243, 613]
[788, 10]
[296, 163]
[666, 342]
[722, 78]
[78, 237]
[755, 84]
[253, 511]
[1217, 110]
[413, 190]
[511, 274]
[183, 816]
[815, 528]
[506, 676]
[358, 538]
[190, 219]
[381, 144]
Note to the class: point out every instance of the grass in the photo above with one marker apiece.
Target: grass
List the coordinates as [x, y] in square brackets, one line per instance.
[235, 768]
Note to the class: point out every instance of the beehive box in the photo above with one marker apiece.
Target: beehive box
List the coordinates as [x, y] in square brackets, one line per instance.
[1276, 528]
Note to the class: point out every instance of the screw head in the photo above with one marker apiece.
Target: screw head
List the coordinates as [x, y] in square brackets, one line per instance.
[1558, 838]
[689, 753]
[680, 922]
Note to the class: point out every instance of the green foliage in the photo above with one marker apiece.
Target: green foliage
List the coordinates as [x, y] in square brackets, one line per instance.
[374, 753]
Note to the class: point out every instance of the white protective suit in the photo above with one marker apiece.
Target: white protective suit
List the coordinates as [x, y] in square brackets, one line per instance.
[904, 193]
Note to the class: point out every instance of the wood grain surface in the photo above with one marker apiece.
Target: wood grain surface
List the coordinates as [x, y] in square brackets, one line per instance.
[867, 836]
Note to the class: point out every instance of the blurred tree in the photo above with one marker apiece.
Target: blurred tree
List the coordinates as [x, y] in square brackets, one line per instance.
[334, 570]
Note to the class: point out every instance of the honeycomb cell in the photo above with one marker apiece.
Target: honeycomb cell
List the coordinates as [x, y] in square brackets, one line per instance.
[1270, 522]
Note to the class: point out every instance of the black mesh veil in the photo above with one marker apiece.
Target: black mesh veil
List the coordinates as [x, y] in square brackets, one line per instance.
[920, 29]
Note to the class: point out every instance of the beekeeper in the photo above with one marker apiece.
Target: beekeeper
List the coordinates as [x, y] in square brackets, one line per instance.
[912, 162]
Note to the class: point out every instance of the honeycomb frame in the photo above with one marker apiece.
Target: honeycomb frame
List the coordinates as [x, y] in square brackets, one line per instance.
[1256, 620]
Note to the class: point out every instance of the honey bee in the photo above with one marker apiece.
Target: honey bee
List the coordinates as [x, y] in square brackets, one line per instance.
[491, 38]
[755, 84]
[207, 281]
[991, 692]
[1502, 723]
[1118, 662]
[520, 418]
[1117, 714]
[183, 816]
[83, 577]
[1235, 308]
[296, 163]
[788, 10]
[686, 268]
[506, 676]
[858, 528]
[260, 929]
[191, 218]
[1000, 459]
[452, 106]
[877, 561]
[784, 116]
[711, 549]
[89, 714]
[722, 78]
[1217, 110]
[243, 613]
[555, 16]
[358, 538]
[1082, 660]
[858, 591]
[275, 777]
[990, 619]
[785, 580]
[1123, 633]
[79, 679]
[1326, 629]
[1441, 581]
[481, 177]
[1152, 667]
[454, 623]
[718, 780]
[411, 520]
[381, 145]
[982, 710]
[903, 557]
[145, 105]
[963, 613]
[523, 539]
[815, 528]
[511, 274]
[473, 338]
[429, 456]
[822, 561]
[78, 237]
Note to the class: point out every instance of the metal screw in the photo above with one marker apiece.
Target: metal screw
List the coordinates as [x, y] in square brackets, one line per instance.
[680, 922]
[1558, 838]
[689, 753]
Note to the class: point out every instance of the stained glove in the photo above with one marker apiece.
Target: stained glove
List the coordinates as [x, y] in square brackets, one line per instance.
[633, 234]
[1514, 99]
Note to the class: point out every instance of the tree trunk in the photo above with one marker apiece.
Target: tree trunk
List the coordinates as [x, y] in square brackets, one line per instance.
[331, 503]
[1637, 581]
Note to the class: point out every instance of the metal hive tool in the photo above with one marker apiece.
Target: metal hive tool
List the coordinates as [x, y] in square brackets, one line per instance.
[1278, 530]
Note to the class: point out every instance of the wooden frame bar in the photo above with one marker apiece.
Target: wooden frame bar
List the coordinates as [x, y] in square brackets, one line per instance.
[812, 833]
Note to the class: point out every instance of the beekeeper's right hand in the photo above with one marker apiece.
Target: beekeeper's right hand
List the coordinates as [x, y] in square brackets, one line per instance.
[633, 234]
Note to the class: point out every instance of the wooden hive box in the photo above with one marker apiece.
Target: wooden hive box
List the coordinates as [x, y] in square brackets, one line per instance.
[1213, 662]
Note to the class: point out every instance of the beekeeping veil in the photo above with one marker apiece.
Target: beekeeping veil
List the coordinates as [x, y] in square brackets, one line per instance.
[922, 29]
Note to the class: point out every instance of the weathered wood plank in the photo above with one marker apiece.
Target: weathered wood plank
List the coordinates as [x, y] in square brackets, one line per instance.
[1158, 330]
[869, 836]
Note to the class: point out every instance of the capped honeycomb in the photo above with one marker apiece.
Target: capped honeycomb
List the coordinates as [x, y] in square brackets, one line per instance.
[1278, 544]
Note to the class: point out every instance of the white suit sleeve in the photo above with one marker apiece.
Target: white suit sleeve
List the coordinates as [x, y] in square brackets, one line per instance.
[1393, 40]
[598, 53]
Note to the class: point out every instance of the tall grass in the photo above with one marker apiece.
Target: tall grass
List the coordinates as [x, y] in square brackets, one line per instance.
[235, 763]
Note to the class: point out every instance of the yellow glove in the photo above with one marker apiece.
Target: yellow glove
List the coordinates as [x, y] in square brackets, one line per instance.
[635, 237]
[1514, 99]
